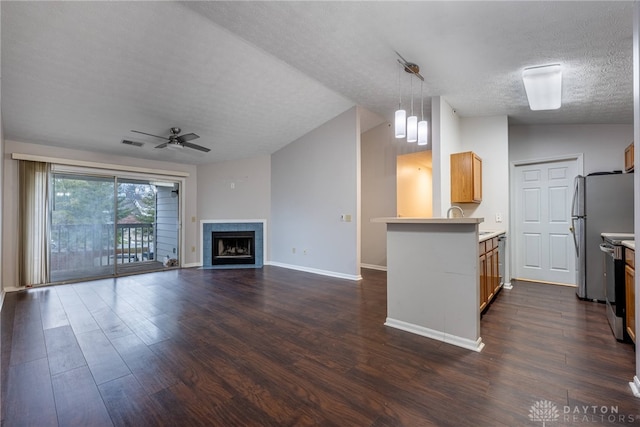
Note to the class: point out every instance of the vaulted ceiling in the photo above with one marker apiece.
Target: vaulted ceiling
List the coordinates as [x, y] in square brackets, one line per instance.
[251, 77]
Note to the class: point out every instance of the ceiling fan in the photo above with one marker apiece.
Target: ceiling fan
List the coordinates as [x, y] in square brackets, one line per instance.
[177, 141]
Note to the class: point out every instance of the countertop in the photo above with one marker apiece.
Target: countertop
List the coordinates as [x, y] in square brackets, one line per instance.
[618, 236]
[490, 234]
[631, 244]
[412, 220]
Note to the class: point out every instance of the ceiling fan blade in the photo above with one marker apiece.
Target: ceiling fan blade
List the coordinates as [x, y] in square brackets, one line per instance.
[162, 145]
[187, 137]
[196, 147]
[150, 134]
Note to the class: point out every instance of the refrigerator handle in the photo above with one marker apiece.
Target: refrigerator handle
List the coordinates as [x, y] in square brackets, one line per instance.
[573, 200]
[575, 238]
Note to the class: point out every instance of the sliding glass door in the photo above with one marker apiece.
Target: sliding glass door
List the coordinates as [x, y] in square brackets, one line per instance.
[106, 226]
[83, 210]
[136, 226]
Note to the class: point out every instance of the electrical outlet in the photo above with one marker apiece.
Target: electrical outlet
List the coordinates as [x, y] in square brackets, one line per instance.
[304, 252]
[193, 248]
[293, 250]
[345, 218]
[193, 219]
[498, 217]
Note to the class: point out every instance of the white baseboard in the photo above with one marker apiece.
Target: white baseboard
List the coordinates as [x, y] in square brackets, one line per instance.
[374, 267]
[315, 271]
[14, 288]
[635, 386]
[477, 345]
[1, 298]
[192, 265]
[507, 286]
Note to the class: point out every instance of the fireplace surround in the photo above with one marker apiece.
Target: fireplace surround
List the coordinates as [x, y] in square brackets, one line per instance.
[237, 247]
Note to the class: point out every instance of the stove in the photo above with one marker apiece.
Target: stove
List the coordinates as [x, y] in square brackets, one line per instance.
[613, 281]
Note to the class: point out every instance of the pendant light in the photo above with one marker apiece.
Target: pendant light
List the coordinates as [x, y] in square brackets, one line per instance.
[412, 121]
[409, 127]
[401, 115]
[423, 126]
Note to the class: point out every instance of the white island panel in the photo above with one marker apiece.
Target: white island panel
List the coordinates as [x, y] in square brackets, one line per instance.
[433, 282]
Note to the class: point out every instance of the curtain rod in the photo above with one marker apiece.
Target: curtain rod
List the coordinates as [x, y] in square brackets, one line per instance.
[96, 165]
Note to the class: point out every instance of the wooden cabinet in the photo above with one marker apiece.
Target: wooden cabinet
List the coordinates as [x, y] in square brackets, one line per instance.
[630, 294]
[489, 271]
[628, 158]
[466, 178]
[484, 297]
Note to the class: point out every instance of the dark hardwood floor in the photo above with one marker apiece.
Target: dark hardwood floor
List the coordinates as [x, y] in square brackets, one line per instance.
[276, 347]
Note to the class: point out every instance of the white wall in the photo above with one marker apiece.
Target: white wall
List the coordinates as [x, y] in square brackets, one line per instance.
[379, 151]
[10, 197]
[635, 384]
[239, 189]
[602, 145]
[446, 140]
[314, 180]
[488, 137]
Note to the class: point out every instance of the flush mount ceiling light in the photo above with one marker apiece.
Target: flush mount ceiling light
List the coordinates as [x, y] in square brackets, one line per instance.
[409, 127]
[543, 85]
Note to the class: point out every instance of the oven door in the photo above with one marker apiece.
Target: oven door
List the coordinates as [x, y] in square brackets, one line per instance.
[613, 279]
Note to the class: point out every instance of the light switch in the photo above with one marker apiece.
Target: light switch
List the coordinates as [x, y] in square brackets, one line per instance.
[498, 217]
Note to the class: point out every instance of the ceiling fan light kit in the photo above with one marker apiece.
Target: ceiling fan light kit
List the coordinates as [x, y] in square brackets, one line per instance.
[543, 85]
[175, 141]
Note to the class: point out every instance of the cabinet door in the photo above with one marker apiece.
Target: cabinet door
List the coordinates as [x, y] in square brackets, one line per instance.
[490, 274]
[496, 269]
[466, 178]
[483, 281]
[477, 178]
[628, 158]
[630, 294]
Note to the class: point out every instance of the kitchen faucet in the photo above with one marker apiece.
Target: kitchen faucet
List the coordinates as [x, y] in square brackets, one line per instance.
[455, 207]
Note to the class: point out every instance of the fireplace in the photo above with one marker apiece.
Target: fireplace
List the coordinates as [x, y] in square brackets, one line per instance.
[246, 255]
[233, 247]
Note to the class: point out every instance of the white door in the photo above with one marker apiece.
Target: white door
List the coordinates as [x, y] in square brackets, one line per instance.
[543, 241]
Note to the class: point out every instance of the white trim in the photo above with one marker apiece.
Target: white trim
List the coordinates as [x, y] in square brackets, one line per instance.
[226, 221]
[316, 271]
[635, 386]
[14, 289]
[507, 285]
[563, 158]
[2, 293]
[192, 265]
[374, 267]
[95, 165]
[477, 345]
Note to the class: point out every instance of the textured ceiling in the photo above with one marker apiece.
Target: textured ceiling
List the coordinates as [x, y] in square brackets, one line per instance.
[250, 77]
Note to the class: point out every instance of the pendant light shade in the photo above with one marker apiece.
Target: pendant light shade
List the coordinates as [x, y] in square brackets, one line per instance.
[412, 129]
[401, 123]
[423, 132]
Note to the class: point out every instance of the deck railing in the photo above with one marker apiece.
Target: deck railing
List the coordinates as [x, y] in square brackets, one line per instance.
[76, 246]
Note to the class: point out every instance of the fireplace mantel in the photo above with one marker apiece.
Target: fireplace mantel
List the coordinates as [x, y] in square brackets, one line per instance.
[259, 226]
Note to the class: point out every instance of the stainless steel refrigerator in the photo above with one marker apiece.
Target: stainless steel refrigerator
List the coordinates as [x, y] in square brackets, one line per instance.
[602, 203]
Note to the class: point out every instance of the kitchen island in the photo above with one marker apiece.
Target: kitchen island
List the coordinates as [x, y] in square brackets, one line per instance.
[433, 281]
